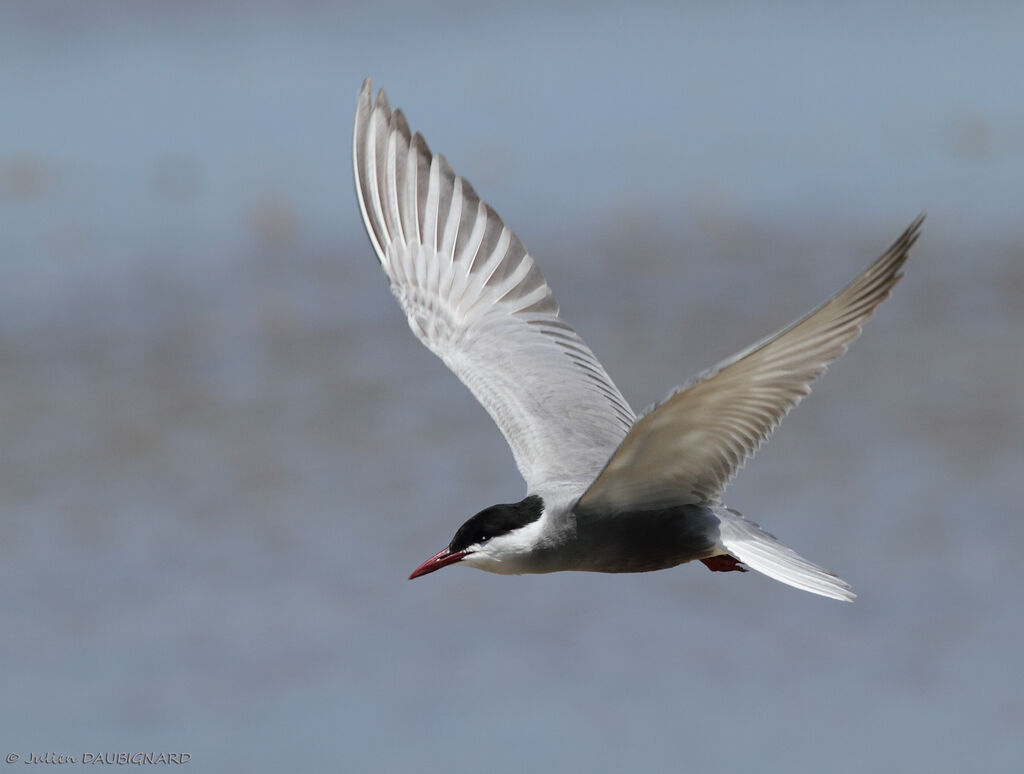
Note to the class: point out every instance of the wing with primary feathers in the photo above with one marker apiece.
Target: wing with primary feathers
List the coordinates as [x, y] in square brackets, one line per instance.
[688, 447]
[477, 300]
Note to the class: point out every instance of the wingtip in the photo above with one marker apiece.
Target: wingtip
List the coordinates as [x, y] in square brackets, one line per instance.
[400, 124]
[912, 232]
[366, 102]
[890, 263]
[381, 103]
[900, 250]
[364, 107]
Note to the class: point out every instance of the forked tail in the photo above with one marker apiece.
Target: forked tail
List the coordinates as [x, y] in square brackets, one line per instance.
[762, 552]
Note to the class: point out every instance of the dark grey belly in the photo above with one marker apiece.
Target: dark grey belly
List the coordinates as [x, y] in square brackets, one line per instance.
[642, 541]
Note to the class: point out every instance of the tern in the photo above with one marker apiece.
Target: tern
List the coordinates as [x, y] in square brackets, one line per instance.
[606, 490]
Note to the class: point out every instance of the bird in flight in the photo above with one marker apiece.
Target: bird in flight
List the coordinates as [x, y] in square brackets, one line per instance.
[606, 490]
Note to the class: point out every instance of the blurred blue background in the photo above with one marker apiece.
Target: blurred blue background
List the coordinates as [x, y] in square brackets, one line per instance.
[223, 451]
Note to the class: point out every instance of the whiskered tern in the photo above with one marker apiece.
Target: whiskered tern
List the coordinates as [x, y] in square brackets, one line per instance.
[606, 490]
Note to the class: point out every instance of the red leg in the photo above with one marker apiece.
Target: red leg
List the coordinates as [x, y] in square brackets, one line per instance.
[723, 563]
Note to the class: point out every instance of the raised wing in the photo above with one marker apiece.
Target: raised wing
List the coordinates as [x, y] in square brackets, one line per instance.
[478, 301]
[688, 447]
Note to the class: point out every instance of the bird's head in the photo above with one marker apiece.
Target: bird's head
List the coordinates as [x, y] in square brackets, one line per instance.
[492, 540]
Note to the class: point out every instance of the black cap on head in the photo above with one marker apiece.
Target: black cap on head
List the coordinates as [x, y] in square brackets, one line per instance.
[497, 520]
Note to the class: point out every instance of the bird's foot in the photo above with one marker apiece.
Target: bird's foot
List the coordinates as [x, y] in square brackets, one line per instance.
[723, 563]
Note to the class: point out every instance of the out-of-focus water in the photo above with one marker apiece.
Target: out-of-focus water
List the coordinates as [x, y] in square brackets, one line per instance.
[223, 451]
